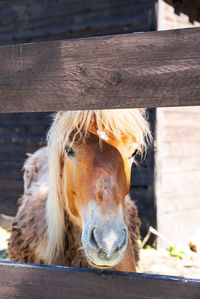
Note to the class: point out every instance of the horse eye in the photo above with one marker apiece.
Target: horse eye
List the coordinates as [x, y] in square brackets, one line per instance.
[70, 152]
[134, 154]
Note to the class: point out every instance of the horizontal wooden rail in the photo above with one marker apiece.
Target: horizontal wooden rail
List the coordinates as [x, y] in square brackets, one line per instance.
[34, 281]
[131, 70]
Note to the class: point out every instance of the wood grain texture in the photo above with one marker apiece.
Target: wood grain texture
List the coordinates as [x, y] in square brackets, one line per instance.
[31, 281]
[19, 134]
[182, 229]
[177, 173]
[32, 20]
[123, 71]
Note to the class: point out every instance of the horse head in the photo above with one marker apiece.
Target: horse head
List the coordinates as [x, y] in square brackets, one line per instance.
[90, 158]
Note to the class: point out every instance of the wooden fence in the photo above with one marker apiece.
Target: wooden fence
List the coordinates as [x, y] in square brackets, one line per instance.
[36, 281]
[124, 71]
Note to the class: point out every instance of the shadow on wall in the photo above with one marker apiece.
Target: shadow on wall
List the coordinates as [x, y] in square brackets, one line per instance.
[142, 187]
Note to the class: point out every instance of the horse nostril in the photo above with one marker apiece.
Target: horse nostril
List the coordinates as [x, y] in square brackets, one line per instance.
[93, 241]
[108, 243]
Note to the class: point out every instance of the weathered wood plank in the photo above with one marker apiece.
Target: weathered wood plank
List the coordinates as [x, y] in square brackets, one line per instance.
[10, 191]
[17, 153]
[177, 173]
[181, 149]
[8, 205]
[11, 170]
[31, 281]
[134, 70]
[173, 133]
[181, 163]
[183, 224]
[181, 182]
[182, 116]
[25, 119]
[27, 128]
[10, 185]
[17, 138]
[183, 201]
[141, 176]
[24, 20]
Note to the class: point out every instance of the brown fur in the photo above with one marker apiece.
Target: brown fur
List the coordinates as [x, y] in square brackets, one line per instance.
[29, 232]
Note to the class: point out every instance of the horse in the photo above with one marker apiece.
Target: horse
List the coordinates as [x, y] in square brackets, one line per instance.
[76, 210]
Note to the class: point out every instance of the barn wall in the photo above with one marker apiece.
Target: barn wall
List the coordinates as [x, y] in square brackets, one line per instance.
[22, 20]
[177, 158]
[33, 20]
[178, 173]
[20, 134]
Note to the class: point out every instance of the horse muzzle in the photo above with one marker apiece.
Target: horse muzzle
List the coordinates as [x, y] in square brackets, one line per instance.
[105, 244]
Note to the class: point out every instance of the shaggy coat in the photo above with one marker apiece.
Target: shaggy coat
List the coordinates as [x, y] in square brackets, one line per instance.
[29, 232]
[44, 230]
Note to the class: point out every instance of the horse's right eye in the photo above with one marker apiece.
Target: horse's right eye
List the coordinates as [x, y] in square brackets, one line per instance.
[70, 152]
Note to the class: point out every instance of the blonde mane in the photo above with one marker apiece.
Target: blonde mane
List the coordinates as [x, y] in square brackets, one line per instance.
[119, 123]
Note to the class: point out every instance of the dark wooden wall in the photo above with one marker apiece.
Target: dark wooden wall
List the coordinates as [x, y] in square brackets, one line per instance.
[20, 134]
[142, 186]
[33, 20]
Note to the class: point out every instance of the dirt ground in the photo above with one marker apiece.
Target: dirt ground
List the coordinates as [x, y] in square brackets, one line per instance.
[161, 262]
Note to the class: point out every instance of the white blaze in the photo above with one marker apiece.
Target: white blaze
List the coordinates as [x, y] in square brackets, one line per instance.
[109, 241]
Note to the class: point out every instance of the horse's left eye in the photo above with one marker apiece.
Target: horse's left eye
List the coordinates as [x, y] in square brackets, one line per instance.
[70, 152]
[134, 154]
